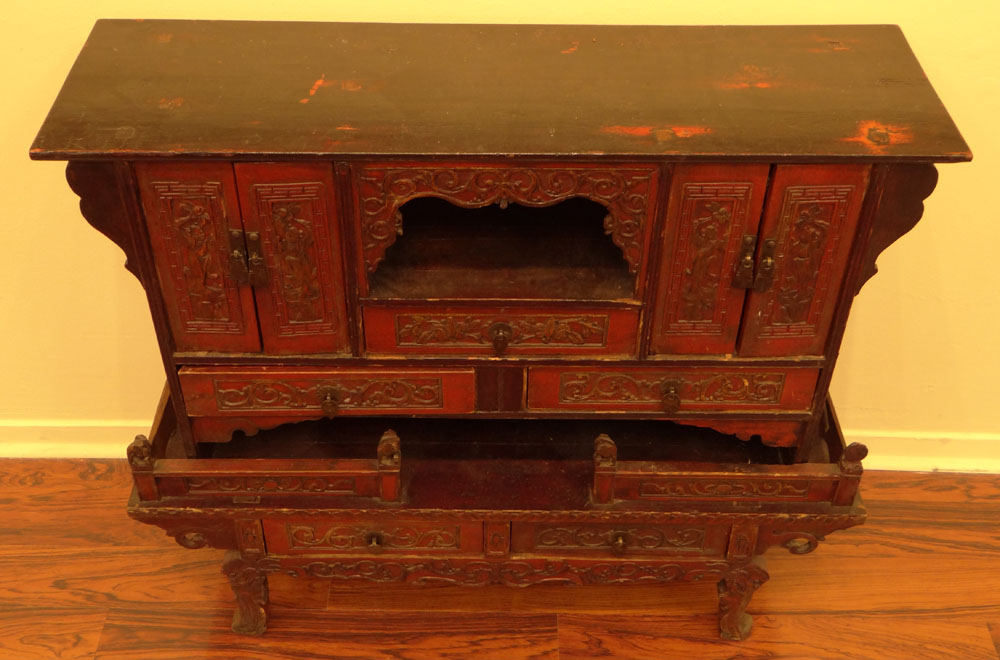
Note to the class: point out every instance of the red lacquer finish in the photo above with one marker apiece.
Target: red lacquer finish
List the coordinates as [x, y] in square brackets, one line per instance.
[713, 210]
[452, 330]
[670, 391]
[291, 206]
[596, 302]
[317, 392]
[811, 216]
[190, 209]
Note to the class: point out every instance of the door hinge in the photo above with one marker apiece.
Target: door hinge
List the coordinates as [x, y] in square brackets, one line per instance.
[246, 261]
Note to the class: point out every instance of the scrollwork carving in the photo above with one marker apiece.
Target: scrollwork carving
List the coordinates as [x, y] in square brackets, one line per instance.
[615, 387]
[642, 538]
[360, 393]
[356, 537]
[473, 330]
[732, 489]
[626, 193]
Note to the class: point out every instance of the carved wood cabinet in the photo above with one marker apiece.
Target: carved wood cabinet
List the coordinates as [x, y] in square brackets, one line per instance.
[590, 281]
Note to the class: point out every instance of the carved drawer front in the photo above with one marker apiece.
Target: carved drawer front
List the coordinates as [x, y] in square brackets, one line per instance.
[500, 331]
[618, 539]
[357, 536]
[323, 391]
[670, 391]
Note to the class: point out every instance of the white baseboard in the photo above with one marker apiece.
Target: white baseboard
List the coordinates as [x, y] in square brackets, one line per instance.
[68, 438]
[888, 450]
[928, 451]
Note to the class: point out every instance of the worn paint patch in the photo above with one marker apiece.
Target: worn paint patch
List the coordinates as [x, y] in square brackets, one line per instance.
[876, 136]
[659, 133]
[572, 49]
[828, 45]
[345, 127]
[750, 76]
[344, 85]
[171, 104]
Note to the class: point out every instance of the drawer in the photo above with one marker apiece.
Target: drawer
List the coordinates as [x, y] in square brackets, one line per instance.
[500, 331]
[618, 539]
[670, 391]
[353, 536]
[315, 391]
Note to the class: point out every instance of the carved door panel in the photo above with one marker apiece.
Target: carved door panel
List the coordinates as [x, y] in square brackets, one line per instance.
[190, 209]
[289, 211]
[709, 234]
[808, 228]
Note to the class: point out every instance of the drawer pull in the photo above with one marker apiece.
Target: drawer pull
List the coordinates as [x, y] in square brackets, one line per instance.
[671, 396]
[374, 542]
[618, 545]
[500, 335]
[330, 403]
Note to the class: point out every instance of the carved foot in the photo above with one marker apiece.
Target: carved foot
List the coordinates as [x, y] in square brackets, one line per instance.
[736, 588]
[250, 588]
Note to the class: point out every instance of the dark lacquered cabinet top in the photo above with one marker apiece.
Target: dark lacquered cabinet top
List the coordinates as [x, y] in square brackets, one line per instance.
[260, 89]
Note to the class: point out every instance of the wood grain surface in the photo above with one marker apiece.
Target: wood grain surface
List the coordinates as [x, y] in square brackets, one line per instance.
[78, 579]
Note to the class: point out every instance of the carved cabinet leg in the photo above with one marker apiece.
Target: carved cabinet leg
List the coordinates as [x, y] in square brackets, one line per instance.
[250, 587]
[736, 588]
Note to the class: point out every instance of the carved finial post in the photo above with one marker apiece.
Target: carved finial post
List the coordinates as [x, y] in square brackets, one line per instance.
[140, 458]
[850, 477]
[605, 466]
[389, 461]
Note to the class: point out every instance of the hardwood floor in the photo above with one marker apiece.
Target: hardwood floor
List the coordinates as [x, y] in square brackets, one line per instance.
[80, 580]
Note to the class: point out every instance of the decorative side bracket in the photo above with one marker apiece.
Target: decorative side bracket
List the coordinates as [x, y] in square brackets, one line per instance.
[900, 206]
[97, 185]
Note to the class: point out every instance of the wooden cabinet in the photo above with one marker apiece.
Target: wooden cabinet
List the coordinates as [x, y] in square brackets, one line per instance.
[583, 278]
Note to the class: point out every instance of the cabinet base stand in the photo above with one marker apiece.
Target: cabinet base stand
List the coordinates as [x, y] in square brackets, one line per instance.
[449, 513]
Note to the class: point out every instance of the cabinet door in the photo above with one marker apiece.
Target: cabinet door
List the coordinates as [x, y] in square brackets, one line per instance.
[288, 209]
[190, 209]
[808, 227]
[713, 209]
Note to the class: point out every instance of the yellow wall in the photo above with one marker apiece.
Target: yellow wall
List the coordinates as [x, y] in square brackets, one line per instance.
[916, 379]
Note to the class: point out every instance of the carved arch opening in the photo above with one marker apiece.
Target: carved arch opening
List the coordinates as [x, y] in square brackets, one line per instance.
[626, 194]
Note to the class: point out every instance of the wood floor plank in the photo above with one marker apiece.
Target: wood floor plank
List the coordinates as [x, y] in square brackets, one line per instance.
[78, 502]
[49, 634]
[155, 634]
[931, 487]
[774, 638]
[68, 577]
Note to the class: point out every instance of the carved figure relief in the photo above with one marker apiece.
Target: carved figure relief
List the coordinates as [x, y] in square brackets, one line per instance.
[296, 241]
[625, 192]
[803, 258]
[710, 226]
[700, 290]
[472, 330]
[810, 234]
